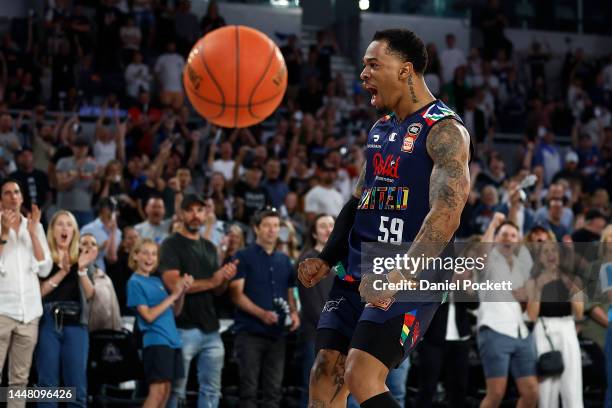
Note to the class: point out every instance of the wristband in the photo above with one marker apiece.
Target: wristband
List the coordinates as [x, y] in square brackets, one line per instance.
[53, 284]
[336, 247]
[82, 272]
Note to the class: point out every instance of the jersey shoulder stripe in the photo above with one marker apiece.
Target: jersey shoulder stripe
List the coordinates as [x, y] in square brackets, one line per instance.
[436, 112]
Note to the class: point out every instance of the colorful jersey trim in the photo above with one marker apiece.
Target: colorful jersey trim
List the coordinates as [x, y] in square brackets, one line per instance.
[341, 273]
[410, 328]
[436, 112]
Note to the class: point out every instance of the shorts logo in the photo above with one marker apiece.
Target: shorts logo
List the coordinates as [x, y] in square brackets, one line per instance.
[383, 304]
[410, 137]
[331, 305]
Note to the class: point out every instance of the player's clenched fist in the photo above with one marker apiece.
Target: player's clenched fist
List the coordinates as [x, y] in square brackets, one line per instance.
[311, 271]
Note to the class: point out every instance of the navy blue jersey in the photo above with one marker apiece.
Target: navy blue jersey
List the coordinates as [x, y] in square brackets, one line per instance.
[395, 198]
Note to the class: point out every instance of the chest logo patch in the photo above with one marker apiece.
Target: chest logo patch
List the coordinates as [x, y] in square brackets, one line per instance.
[411, 136]
[392, 137]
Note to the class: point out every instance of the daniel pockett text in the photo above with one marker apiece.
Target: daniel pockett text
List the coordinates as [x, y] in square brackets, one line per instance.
[466, 285]
[487, 271]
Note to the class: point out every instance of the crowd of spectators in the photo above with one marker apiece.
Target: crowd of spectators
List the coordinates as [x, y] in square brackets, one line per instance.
[97, 134]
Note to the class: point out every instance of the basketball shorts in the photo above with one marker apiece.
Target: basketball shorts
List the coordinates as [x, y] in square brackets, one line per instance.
[388, 330]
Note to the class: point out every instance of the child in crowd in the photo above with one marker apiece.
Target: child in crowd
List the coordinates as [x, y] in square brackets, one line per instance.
[163, 362]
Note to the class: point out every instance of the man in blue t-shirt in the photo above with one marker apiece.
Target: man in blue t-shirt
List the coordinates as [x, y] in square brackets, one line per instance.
[263, 291]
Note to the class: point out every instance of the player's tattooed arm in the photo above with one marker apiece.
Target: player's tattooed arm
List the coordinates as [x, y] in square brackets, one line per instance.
[359, 186]
[448, 144]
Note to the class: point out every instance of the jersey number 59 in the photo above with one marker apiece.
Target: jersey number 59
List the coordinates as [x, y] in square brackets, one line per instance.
[390, 231]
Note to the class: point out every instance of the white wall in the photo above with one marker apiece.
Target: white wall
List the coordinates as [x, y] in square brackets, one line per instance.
[270, 20]
[430, 29]
[592, 44]
[264, 18]
[10, 9]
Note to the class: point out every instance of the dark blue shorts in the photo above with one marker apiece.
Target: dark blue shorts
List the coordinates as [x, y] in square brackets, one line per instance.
[388, 330]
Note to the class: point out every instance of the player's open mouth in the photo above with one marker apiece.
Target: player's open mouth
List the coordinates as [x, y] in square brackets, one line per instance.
[373, 91]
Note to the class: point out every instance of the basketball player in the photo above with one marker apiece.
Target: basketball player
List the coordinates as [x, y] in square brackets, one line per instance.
[412, 189]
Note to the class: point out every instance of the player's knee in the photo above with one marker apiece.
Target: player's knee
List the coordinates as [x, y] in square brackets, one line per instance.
[324, 367]
[352, 379]
[359, 378]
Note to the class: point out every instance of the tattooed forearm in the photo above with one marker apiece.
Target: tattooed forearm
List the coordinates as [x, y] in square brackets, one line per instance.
[359, 186]
[411, 86]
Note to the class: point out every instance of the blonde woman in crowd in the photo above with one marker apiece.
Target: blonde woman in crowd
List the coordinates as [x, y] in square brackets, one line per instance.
[287, 240]
[63, 343]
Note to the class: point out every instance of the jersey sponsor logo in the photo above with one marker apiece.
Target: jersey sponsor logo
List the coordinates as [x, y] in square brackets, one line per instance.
[384, 198]
[431, 116]
[415, 128]
[373, 146]
[411, 136]
[383, 304]
[392, 137]
[386, 167]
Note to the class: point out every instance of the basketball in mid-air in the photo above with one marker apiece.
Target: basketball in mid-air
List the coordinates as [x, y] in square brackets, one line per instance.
[235, 76]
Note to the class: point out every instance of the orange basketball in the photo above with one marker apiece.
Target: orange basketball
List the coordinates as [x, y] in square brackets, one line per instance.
[235, 76]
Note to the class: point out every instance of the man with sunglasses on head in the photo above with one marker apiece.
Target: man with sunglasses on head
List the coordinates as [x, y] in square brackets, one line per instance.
[187, 253]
